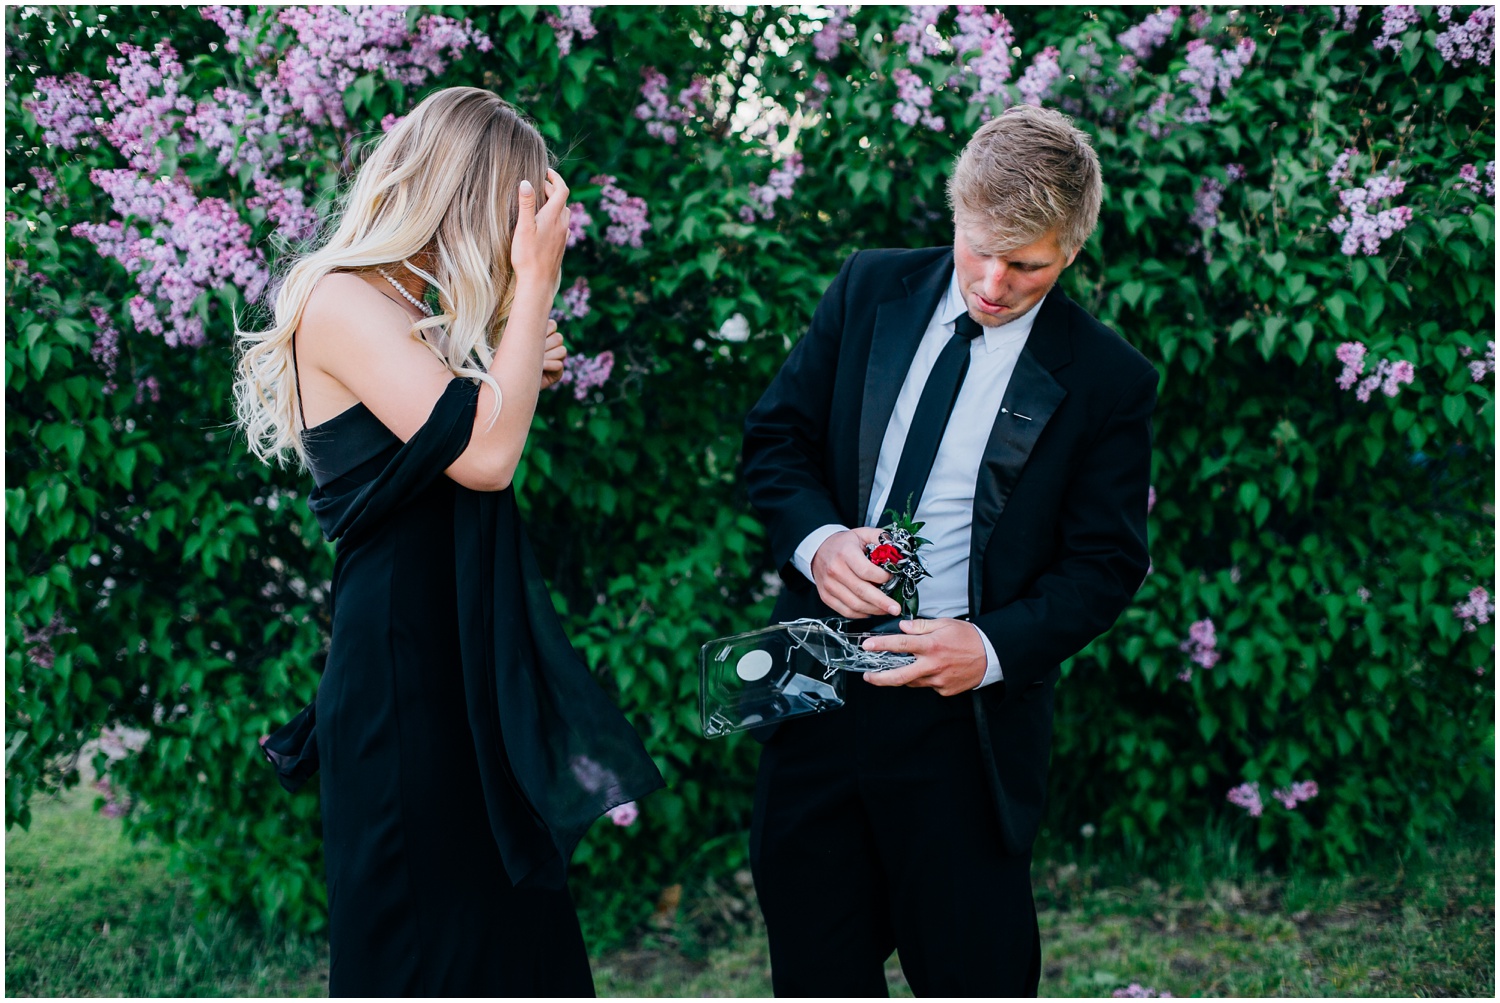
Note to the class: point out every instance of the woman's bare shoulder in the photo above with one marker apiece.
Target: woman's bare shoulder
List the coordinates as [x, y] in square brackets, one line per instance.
[343, 305]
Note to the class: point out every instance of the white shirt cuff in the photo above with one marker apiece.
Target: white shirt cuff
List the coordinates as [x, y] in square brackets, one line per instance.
[808, 549]
[992, 661]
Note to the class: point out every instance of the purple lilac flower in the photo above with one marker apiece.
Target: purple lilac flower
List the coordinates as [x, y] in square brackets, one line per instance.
[241, 131]
[1150, 498]
[1154, 122]
[1362, 229]
[818, 91]
[834, 33]
[1340, 169]
[918, 32]
[1206, 202]
[1476, 609]
[1480, 368]
[114, 807]
[335, 45]
[1136, 991]
[285, 207]
[585, 374]
[46, 186]
[1235, 172]
[624, 815]
[569, 20]
[106, 348]
[1208, 68]
[1346, 17]
[1201, 647]
[575, 300]
[627, 213]
[1145, 38]
[658, 111]
[989, 36]
[578, 219]
[1247, 796]
[231, 20]
[40, 640]
[1468, 177]
[1364, 595]
[1396, 19]
[144, 101]
[779, 185]
[1473, 39]
[193, 246]
[64, 108]
[1388, 378]
[1352, 355]
[148, 387]
[1202, 17]
[1303, 790]
[914, 99]
[1039, 77]
[390, 121]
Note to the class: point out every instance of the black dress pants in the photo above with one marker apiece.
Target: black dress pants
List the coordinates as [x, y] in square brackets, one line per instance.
[875, 831]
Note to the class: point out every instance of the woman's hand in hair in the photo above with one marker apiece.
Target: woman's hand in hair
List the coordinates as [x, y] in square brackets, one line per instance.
[541, 237]
[555, 353]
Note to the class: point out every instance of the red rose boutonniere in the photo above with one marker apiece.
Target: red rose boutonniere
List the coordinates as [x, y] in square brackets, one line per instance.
[896, 552]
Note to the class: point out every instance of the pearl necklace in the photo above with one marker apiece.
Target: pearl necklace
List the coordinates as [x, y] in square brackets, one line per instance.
[419, 304]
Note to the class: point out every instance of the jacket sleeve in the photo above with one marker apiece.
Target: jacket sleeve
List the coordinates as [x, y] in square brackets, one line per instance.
[1102, 556]
[785, 449]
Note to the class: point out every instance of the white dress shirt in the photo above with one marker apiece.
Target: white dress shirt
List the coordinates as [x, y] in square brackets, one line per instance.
[947, 505]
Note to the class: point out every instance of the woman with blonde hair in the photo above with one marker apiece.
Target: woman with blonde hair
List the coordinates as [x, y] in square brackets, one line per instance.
[463, 746]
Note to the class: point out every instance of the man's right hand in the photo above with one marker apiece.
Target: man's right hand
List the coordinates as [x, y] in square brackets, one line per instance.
[847, 581]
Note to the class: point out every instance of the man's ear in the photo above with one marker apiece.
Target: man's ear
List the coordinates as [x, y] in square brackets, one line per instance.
[1070, 259]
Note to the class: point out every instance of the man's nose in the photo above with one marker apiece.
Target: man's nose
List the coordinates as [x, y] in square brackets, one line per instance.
[994, 276]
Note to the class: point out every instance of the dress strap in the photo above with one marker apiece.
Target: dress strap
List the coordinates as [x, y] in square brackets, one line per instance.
[297, 382]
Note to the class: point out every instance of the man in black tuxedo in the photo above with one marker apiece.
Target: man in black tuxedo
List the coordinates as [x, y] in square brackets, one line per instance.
[959, 381]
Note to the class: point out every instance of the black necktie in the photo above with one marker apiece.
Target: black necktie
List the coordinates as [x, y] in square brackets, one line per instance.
[930, 419]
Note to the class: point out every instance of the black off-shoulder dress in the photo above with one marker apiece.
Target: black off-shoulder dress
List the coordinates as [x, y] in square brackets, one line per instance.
[463, 745]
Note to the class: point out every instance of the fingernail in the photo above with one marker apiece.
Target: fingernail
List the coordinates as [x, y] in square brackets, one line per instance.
[525, 187]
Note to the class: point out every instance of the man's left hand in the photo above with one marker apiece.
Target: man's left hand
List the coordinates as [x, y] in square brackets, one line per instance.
[950, 656]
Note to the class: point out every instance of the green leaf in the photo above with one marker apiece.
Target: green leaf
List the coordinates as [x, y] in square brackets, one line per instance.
[1455, 407]
[359, 93]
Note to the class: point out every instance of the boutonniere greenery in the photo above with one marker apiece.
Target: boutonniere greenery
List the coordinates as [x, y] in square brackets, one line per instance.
[896, 552]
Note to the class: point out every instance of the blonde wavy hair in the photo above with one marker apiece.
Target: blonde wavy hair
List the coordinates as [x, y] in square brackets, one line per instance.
[442, 185]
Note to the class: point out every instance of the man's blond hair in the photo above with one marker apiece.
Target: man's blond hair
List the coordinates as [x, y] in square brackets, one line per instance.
[1024, 173]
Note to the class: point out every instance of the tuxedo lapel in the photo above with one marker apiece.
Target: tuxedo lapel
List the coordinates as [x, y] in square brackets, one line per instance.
[899, 326]
[1031, 398]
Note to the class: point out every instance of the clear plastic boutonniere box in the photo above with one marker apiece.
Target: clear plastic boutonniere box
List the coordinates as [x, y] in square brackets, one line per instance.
[785, 671]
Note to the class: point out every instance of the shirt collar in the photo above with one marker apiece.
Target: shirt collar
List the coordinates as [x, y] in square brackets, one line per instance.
[952, 307]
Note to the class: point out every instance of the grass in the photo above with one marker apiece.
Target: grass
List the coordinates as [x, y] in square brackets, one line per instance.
[89, 914]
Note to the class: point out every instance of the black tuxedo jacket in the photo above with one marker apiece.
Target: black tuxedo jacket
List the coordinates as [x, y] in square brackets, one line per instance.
[1059, 528]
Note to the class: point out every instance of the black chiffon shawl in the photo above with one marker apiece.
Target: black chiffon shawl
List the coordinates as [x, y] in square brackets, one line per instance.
[554, 752]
